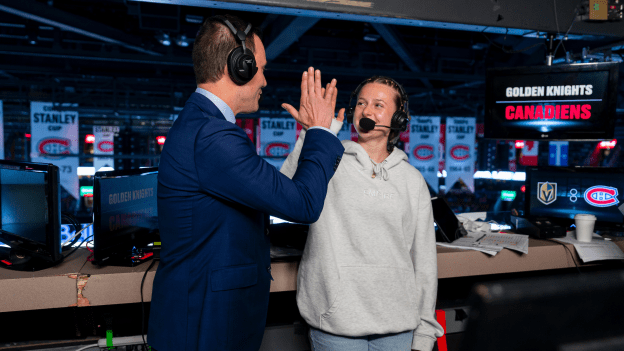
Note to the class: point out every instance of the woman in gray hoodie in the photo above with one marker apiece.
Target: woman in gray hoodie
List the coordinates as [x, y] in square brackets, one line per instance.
[368, 276]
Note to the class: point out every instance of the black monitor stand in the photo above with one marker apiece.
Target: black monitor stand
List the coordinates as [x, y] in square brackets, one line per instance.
[21, 260]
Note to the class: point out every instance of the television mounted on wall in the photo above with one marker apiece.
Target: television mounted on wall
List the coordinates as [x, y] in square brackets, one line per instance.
[565, 102]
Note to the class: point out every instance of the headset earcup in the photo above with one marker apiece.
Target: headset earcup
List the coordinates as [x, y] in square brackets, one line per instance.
[241, 66]
[399, 121]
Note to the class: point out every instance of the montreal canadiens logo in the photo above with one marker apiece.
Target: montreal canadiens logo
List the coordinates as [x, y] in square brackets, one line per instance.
[601, 196]
[54, 145]
[277, 149]
[423, 152]
[460, 152]
[105, 146]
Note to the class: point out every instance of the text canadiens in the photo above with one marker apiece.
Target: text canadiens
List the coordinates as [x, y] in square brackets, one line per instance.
[546, 111]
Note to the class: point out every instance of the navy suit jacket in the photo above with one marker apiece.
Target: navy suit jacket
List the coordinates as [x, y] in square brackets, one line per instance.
[211, 289]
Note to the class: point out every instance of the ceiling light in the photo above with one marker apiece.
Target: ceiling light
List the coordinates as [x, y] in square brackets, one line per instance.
[163, 38]
[194, 19]
[371, 37]
[182, 41]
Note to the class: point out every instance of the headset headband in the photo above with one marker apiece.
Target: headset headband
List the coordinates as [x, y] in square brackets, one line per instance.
[241, 36]
[402, 94]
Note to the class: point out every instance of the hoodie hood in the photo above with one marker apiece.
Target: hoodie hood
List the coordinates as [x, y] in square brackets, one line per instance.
[364, 162]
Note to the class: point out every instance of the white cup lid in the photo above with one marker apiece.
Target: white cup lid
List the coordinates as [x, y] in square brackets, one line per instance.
[585, 216]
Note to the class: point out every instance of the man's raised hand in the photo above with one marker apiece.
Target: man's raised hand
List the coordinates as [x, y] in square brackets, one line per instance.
[317, 104]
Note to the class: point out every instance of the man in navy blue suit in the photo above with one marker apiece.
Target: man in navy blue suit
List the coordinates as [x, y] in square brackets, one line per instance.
[211, 290]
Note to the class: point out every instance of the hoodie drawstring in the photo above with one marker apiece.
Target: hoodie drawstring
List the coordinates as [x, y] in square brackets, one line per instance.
[378, 168]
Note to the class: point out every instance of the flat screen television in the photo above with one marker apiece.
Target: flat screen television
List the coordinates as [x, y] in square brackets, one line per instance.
[562, 192]
[125, 216]
[564, 102]
[30, 215]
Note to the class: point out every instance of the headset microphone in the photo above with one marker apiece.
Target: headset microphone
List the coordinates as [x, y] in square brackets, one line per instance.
[368, 124]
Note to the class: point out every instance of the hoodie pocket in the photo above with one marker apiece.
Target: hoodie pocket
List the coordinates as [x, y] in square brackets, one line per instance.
[372, 300]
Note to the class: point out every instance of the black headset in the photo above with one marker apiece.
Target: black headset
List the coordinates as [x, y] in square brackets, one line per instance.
[241, 61]
[400, 118]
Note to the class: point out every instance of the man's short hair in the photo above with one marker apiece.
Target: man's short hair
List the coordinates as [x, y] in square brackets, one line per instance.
[213, 44]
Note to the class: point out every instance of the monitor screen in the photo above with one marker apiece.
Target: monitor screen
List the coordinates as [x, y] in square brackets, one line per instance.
[571, 102]
[23, 204]
[445, 219]
[564, 192]
[30, 215]
[125, 210]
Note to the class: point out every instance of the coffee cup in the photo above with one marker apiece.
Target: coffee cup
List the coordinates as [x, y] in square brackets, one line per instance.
[584, 226]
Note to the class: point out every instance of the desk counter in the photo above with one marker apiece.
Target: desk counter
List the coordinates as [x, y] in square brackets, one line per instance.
[77, 282]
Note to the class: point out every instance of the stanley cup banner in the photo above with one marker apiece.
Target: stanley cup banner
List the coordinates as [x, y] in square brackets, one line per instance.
[1, 132]
[54, 133]
[460, 151]
[277, 138]
[424, 139]
[104, 144]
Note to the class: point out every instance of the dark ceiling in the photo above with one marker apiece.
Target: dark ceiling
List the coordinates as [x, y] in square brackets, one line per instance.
[106, 56]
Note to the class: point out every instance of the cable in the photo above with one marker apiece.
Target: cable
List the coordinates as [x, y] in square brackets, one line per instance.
[510, 51]
[566, 33]
[143, 305]
[88, 347]
[73, 222]
[77, 235]
[77, 247]
[571, 254]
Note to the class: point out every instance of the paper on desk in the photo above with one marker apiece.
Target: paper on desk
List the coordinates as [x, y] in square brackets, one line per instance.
[470, 243]
[492, 243]
[596, 250]
[517, 242]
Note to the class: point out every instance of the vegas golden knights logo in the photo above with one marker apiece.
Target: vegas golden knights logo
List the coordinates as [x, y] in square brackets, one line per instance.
[546, 192]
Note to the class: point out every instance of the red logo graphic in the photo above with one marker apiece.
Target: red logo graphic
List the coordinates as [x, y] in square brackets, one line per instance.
[277, 149]
[460, 152]
[423, 152]
[106, 146]
[54, 145]
[601, 196]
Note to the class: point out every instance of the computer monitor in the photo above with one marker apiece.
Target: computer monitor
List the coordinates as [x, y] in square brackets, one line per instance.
[30, 215]
[449, 228]
[569, 312]
[566, 102]
[125, 216]
[562, 192]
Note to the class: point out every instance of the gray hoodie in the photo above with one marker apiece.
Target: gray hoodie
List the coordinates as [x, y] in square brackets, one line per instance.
[370, 264]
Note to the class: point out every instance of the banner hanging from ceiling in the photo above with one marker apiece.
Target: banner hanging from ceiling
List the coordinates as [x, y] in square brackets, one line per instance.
[104, 144]
[276, 137]
[54, 137]
[424, 140]
[460, 151]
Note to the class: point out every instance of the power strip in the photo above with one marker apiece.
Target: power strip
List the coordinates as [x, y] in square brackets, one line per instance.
[123, 341]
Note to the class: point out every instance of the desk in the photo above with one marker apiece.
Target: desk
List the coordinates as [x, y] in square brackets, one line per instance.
[77, 282]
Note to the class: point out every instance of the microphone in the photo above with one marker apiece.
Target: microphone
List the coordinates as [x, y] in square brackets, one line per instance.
[368, 124]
